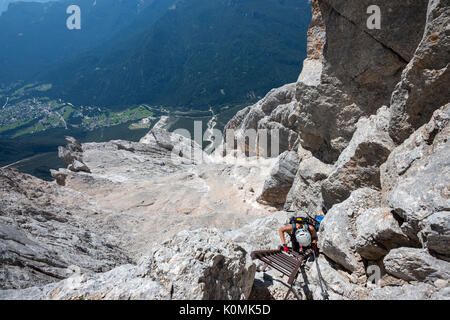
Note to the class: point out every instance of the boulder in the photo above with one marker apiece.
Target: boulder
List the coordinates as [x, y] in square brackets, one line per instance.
[359, 164]
[72, 155]
[419, 145]
[418, 173]
[252, 129]
[261, 234]
[282, 175]
[78, 166]
[72, 151]
[276, 136]
[435, 233]
[202, 265]
[306, 192]
[340, 285]
[60, 176]
[415, 264]
[378, 232]
[338, 230]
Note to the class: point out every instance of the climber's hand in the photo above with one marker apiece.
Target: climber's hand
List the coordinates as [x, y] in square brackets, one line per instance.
[315, 248]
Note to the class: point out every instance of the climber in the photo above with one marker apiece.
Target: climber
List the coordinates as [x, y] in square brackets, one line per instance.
[303, 235]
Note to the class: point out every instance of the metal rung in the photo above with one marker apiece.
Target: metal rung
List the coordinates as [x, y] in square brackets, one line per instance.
[288, 264]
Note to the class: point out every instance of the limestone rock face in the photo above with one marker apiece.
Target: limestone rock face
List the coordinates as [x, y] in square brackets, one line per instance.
[412, 264]
[350, 72]
[195, 265]
[202, 264]
[435, 233]
[177, 144]
[40, 236]
[277, 186]
[423, 87]
[338, 229]
[122, 283]
[420, 168]
[359, 164]
[407, 17]
[260, 234]
[420, 291]
[417, 146]
[306, 192]
[377, 232]
[271, 117]
[359, 70]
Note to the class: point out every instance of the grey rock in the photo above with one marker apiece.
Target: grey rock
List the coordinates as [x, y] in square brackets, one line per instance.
[40, 239]
[338, 230]
[202, 264]
[420, 291]
[306, 192]
[251, 130]
[420, 183]
[282, 175]
[72, 151]
[277, 97]
[269, 286]
[339, 284]
[424, 82]
[260, 234]
[72, 155]
[442, 294]
[435, 233]
[419, 145]
[406, 17]
[77, 166]
[195, 265]
[122, 283]
[353, 81]
[359, 164]
[413, 264]
[69, 156]
[276, 136]
[60, 176]
[378, 232]
[73, 144]
[176, 144]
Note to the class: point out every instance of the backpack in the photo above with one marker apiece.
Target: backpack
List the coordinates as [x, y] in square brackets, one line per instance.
[307, 220]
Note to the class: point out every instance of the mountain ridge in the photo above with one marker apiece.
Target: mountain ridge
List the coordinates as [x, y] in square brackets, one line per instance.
[211, 53]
